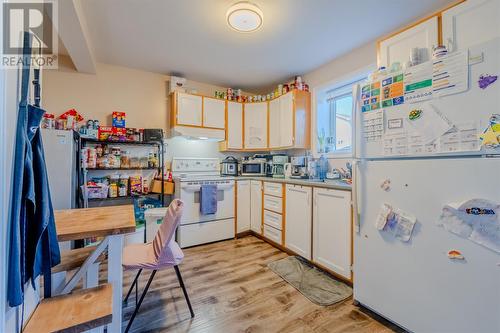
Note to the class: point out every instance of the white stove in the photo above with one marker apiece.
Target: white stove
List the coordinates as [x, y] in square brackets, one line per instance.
[189, 175]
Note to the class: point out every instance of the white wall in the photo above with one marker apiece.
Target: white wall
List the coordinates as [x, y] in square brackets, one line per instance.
[361, 57]
[352, 62]
[142, 95]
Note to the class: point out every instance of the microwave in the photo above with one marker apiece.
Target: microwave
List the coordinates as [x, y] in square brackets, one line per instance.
[255, 167]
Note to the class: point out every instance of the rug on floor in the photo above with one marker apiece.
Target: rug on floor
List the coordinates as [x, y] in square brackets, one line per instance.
[318, 286]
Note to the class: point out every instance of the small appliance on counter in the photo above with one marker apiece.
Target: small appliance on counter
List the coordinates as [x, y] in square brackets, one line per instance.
[279, 162]
[229, 166]
[269, 165]
[254, 166]
[299, 167]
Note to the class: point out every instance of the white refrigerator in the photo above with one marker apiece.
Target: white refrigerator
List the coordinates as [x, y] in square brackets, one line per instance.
[414, 283]
[60, 149]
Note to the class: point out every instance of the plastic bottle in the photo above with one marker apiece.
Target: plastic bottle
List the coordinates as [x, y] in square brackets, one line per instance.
[323, 167]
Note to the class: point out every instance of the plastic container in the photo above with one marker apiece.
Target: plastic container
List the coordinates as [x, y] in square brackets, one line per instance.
[322, 167]
[95, 192]
[154, 218]
[125, 159]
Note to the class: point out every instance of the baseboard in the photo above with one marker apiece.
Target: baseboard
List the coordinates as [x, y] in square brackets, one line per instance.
[244, 234]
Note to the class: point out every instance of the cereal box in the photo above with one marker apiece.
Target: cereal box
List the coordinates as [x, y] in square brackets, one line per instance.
[119, 119]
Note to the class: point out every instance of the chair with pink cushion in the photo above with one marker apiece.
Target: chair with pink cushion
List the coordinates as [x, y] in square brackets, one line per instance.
[162, 253]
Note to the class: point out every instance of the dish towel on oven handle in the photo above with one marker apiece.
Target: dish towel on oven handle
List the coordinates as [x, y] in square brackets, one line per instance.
[208, 199]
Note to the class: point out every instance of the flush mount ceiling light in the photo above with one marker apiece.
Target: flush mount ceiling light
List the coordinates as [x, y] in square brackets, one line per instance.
[244, 16]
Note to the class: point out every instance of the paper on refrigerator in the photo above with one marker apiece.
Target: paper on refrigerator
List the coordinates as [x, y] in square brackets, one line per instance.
[462, 137]
[428, 121]
[373, 123]
[418, 83]
[396, 222]
[451, 73]
[476, 219]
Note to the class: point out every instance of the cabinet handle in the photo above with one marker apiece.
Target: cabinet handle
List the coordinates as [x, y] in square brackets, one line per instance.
[355, 196]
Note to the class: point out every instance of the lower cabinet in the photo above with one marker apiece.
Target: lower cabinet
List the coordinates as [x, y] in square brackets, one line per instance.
[332, 230]
[256, 206]
[315, 224]
[298, 219]
[242, 206]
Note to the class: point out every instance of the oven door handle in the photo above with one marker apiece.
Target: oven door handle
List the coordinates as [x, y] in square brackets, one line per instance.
[197, 187]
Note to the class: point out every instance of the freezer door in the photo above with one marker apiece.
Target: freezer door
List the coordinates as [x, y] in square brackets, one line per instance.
[467, 109]
[415, 284]
[60, 158]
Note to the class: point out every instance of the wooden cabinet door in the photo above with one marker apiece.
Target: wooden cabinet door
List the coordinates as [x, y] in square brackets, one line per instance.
[189, 109]
[298, 220]
[287, 114]
[332, 230]
[398, 47]
[471, 22]
[242, 205]
[234, 125]
[274, 123]
[255, 125]
[256, 206]
[214, 113]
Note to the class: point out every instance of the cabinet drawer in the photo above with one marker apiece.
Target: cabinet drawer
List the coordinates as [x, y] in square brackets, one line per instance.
[273, 189]
[272, 234]
[273, 203]
[272, 219]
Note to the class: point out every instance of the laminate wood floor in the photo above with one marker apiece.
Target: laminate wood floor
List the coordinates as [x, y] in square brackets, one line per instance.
[232, 290]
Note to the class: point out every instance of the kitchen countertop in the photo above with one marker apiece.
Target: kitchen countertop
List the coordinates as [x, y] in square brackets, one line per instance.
[332, 184]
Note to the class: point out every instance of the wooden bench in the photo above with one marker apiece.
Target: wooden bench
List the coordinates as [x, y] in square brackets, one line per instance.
[73, 259]
[76, 312]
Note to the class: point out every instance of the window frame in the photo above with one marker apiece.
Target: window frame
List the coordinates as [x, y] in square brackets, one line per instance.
[344, 84]
[339, 93]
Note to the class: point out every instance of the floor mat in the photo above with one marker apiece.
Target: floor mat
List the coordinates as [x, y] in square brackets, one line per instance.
[318, 286]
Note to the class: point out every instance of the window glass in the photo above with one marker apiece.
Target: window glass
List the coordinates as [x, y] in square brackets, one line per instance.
[334, 120]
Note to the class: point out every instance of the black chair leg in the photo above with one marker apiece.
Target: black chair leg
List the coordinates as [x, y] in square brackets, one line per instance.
[136, 284]
[140, 301]
[179, 277]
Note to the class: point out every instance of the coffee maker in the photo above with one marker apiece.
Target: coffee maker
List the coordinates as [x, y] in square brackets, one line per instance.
[299, 167]
[279, 162]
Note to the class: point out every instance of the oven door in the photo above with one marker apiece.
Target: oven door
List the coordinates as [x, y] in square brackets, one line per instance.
[190, 194]
[248, 169]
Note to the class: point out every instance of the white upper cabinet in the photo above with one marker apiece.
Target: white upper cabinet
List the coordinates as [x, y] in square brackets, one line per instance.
[242, 205]
[274, 123]
[214, 113]
[234, 125]
[256, 206]
[281, 121]
[298, 220]
[398, 47]
[471, 22]
[189, 110]
[287, 114]
[332, 230]
[256, 125]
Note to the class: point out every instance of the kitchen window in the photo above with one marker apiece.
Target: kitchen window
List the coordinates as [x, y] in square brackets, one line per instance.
[334, 122]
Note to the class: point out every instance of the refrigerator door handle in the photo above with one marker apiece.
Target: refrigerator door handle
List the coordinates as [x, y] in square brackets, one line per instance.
[356, 201]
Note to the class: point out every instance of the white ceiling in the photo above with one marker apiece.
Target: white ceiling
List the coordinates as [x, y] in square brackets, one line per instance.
[191, 37]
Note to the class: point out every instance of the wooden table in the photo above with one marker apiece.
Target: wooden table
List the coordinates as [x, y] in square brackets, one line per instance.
[108, 222]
